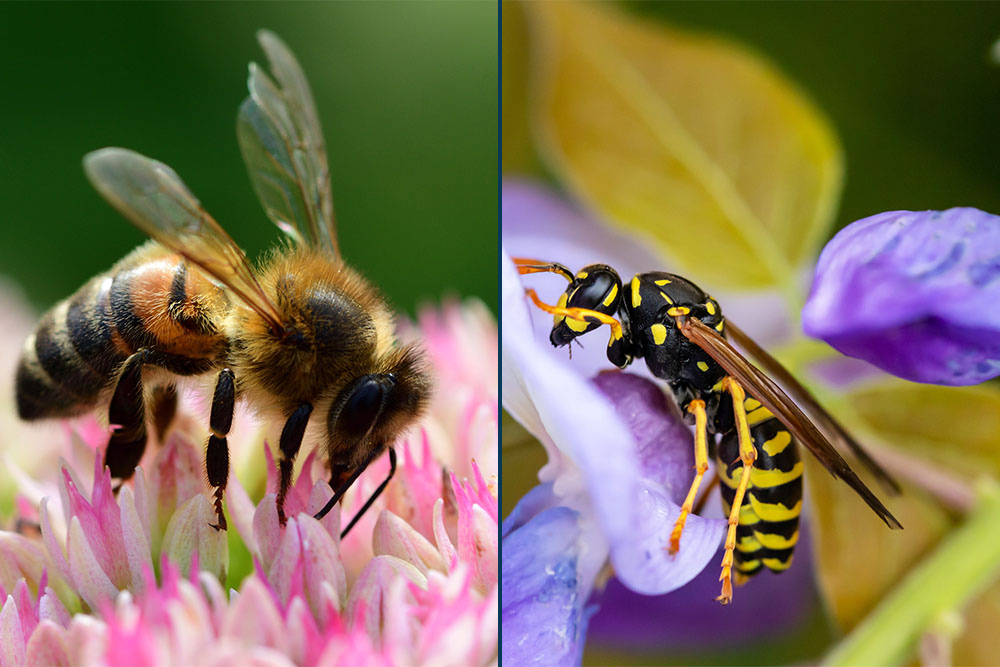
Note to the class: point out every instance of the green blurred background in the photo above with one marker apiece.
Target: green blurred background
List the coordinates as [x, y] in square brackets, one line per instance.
[407, 94]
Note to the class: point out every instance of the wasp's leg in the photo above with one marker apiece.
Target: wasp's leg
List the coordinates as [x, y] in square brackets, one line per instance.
[163, 408]
[577, 313]
[217, 450]
[127, 415]
[747, 455]
[697, 408]
[288, 446]
[525, 265]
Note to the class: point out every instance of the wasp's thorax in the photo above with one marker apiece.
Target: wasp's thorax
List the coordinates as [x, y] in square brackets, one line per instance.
[595, 287]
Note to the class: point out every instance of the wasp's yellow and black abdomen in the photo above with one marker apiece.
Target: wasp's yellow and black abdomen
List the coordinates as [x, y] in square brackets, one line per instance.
[149, 300]
[769, 518]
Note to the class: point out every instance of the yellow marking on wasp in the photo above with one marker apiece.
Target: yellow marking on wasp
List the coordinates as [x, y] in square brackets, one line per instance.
[767, 478]
[748, 565]
[702, 366]
[659, 333]
[777, 444]
[747, 516]
[759, 415]
[677, 311]
[616, 335]
[636, 297]
[748, 543]
[661, 283]
[720, 326]
[710, 307]
[667, 298]
[576, 325]
[581, 275]
[776, 511]
[717, 387]
[561, 303]
[776, 564]
[609, 299]
[751, 404]
[772, 541]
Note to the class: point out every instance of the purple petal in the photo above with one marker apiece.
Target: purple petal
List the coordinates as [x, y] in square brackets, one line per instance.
[768, 605]
[542, 614]
[913, 293]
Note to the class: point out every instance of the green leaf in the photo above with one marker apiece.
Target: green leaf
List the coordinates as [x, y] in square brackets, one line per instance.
[957, 428]
[954, 431]
[965, 564]
[688, 141]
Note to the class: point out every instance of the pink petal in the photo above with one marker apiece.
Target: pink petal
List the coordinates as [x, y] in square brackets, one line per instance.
[47, 646]
[254, 619]
[321, 557]
[395, 537]
[366, 604]
[135, 539]
[12, 642]
[190, 533]
[91, 582]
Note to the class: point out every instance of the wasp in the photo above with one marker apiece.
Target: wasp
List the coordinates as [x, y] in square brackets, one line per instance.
[682, 334]
[303, 333]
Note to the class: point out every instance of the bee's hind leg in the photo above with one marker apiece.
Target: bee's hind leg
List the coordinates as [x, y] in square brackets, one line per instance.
[127, 416]
[217, 450]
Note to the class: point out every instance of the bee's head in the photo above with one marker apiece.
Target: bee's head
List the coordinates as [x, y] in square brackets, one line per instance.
[371, 411]
[595, 287]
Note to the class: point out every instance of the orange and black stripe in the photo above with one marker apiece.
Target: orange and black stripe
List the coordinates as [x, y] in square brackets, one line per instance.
[150, 301]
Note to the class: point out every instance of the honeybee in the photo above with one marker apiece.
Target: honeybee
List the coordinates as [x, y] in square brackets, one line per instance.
[302, 333]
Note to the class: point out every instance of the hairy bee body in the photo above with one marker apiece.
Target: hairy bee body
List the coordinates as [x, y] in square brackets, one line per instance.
[338, 328]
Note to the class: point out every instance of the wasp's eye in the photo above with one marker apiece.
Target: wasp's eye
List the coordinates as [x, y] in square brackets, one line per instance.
[592, 292]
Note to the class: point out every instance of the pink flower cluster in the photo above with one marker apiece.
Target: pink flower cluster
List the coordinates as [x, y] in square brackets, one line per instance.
[136, 577]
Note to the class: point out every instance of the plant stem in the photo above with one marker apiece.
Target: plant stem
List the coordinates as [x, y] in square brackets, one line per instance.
[964, 564]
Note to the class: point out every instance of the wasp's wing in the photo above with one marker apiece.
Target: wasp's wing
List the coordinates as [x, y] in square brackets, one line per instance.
[153, 197]
[282, 144]
[774, 399]
[831, 427]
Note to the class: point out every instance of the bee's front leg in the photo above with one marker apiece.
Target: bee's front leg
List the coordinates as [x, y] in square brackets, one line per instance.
[217, 451]
[288, 446]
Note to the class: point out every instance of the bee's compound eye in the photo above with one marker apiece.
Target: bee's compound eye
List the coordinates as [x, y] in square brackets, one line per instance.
[358, 407]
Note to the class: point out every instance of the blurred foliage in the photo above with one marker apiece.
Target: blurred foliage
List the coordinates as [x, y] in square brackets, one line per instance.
[910, 89]
[407, 94]
[662, 132]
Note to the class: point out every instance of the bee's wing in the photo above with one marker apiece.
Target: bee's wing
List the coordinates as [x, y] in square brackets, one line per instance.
[831, 427]
[153, 197]
[774, 399]
[282, 144]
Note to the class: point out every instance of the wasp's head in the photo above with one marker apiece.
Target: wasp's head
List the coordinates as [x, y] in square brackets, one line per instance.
[595, 287]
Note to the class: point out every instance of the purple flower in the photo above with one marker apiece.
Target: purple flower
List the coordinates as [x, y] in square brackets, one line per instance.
[916, 294]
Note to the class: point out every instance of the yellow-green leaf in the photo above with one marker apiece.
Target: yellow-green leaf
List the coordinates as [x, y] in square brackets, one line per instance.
[689, 141]
[957, 428]
[858, 557]
[954, 430]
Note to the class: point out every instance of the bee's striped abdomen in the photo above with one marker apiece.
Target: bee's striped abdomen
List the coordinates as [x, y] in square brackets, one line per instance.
[769, 518]
[149, 300]
[70, 357]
